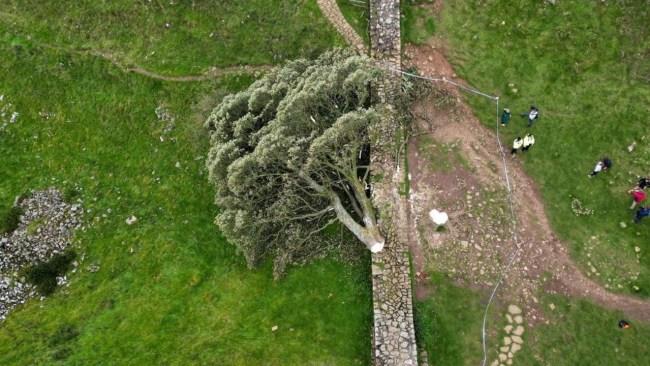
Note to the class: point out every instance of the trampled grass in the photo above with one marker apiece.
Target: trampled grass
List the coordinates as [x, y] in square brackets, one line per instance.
[582, 334]
[585, 65]
[179, 37]
[169, 289]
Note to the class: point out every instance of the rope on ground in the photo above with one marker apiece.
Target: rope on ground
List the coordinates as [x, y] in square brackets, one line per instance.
[506, 176]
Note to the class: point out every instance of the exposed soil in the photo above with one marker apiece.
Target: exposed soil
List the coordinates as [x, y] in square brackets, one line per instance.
[479, 240]
[481, 237]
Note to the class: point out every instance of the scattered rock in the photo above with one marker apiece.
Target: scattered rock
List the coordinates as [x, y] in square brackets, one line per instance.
[515, 347]
[43, 231]
[519, 319]
[514, 309]
[131, 220]
[517, 339]
[508, 328]
[518, 331]
[274, 328]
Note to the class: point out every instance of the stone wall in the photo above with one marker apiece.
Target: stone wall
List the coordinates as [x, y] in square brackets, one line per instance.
[394, 342]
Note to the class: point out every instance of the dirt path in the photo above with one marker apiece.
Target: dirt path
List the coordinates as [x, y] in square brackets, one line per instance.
[332, 12]
[128, 67]
[479, 242]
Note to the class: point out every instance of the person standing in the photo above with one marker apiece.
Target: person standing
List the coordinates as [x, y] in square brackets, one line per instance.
[641, 213]
[638, 196]
[533, 115]
[529, 141]
[516, 145]
[505, 117]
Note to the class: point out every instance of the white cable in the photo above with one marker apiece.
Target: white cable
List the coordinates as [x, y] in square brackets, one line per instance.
[506, 175]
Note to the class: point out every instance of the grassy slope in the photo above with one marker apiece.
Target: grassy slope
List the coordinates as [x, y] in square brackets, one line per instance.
[201, 33]
[578, 333]
[583, 64]
[449, 327]
[448, 324]
[183, 296]
[357, 15]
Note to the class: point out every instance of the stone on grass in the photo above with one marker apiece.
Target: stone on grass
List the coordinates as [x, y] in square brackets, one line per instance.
[438, 217]
[508, 328]
[507, 341]
[519, 319]
[131, 220]
[519, 330]
[515, 347]
[514, 309]
[517, 339]
[274, 328]
[502, 357]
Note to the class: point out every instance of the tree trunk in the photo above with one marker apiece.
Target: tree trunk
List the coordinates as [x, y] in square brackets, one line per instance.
[369, 235]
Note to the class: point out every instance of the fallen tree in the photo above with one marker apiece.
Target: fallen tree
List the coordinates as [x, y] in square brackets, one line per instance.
[289, 157]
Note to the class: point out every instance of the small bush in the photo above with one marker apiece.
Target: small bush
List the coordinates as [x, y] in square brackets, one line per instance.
[11, 220]
[70, 194]
[64, 334]
[43, 275]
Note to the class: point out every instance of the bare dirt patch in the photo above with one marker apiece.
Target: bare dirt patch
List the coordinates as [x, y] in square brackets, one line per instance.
[479, 240]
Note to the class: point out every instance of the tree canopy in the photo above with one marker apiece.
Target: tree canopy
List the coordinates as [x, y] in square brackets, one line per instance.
[289, 157]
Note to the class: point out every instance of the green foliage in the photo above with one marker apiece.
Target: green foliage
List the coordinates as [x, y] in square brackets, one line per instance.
[579, 63]
[178, 36]
[11, 219]
[170, 289]
[33, 226]
[283, 149]
[356, 13]
[43, 275]
[448, 323]
[417, 22]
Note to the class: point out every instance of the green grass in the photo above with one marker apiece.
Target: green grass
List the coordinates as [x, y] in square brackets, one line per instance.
[356, 13]
[581, 334]
[448, 324]
[441, 157]
[417, 23]
[169, 290]
[585, 65]
[201, 34]
[578, 333]
[10, 219]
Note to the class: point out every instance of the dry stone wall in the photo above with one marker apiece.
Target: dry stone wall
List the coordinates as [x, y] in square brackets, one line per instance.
[394, 342]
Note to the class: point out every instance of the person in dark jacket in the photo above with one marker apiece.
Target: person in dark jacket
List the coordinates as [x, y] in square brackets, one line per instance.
[641, 213]
[644, 182]
[505, 117]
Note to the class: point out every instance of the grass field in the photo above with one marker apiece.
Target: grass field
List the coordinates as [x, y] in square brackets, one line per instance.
[169, 289]
[181, 36]
[582, 64]
[585, 65]
[578, 333]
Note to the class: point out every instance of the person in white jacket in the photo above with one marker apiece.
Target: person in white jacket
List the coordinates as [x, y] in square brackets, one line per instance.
[516, 145]
[529, 141]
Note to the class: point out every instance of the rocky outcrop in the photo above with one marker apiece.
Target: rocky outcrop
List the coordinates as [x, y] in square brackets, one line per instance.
[44, 230]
